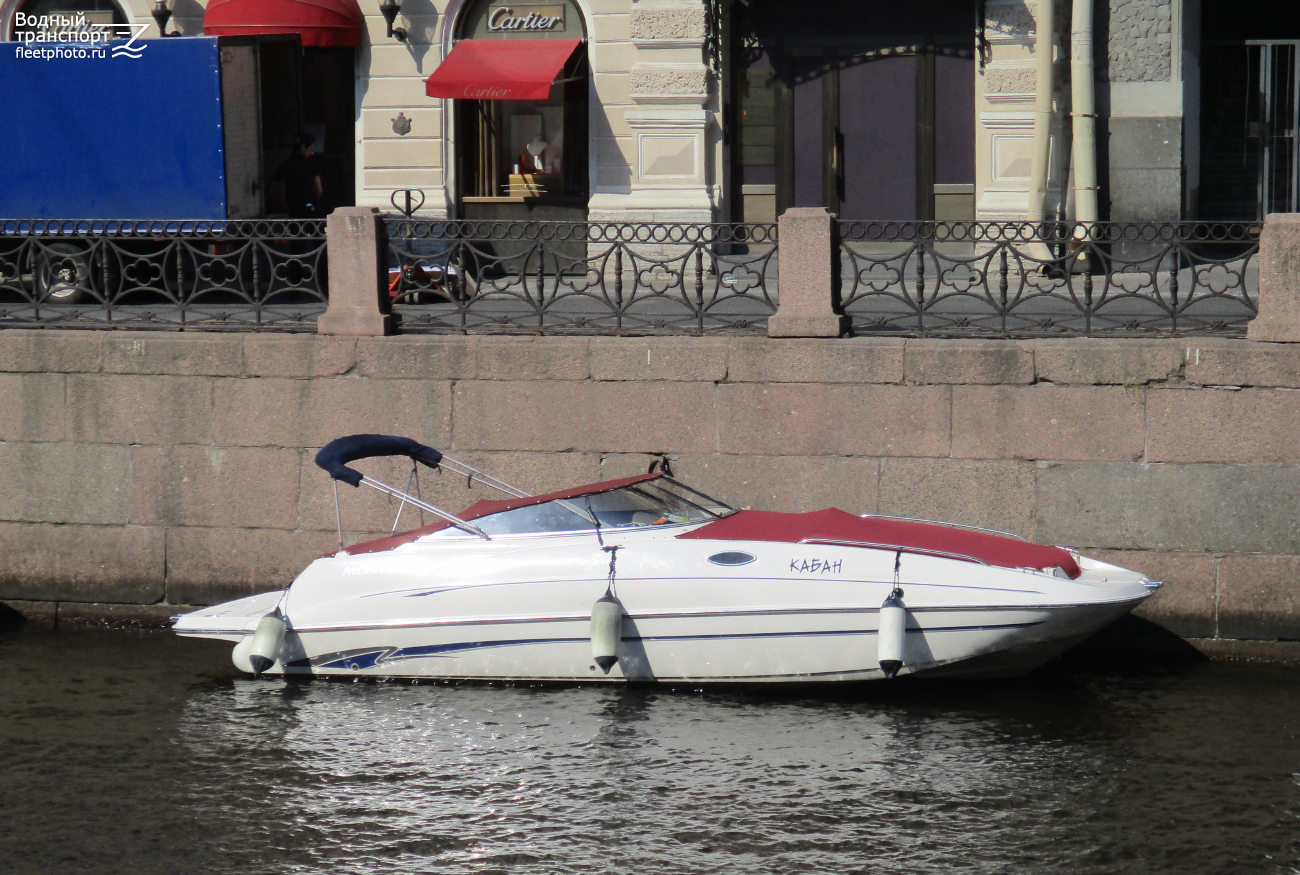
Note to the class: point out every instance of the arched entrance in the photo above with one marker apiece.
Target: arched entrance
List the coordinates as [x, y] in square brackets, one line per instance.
[523, 158]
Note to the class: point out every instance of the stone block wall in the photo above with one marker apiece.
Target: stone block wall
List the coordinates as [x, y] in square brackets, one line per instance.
[1141, 86]
[144, 471]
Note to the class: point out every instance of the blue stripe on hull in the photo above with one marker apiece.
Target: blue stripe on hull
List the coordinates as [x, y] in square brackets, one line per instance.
[372, 656]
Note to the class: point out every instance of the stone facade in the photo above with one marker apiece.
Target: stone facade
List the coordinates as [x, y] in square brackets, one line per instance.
[672, 82]
[683, 25]
[1141, 74]
[649, 165]
[1010, 19]
[653, 120]
[1139, 82]
[1141, 41]
[1009, 80]
[671, 119]
[656, 149]
[149, 470]
[1005, 100]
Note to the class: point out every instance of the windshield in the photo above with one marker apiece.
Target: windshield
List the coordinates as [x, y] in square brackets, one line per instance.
[653, 503]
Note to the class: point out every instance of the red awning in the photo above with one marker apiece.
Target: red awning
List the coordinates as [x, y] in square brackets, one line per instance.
[318, 22]
[500, 69]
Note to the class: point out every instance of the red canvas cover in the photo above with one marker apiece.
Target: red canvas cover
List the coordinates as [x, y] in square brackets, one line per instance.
[487, 507]
[837, 525]
[318, 22]
[500, 69]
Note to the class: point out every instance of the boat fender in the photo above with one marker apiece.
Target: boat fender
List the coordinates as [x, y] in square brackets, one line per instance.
[267, 641]
[606, 631]
[893, 629]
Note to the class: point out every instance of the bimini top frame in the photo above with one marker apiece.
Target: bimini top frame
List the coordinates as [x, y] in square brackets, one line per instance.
[335, 456]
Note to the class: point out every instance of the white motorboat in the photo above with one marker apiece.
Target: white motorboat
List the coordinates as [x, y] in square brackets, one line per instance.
[644, 579]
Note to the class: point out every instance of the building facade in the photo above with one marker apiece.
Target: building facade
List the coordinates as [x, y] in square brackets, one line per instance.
[729, 110]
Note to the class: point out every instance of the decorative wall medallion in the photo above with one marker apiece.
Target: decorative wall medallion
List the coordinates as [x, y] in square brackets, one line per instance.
[401, 125]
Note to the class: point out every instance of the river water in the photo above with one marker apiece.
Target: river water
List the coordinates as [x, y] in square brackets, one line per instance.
[137, 752]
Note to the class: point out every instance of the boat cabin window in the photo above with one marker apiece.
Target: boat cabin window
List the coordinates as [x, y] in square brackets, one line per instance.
[653, 503]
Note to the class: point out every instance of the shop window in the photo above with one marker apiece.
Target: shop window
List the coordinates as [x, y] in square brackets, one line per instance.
[525, 151]
[528, 148]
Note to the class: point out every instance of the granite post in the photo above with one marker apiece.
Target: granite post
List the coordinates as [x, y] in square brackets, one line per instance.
[807, 300]
[358, 260]
[1279, 281]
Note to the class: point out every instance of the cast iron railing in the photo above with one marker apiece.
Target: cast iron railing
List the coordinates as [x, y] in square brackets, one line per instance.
[209, 274]
[902, 278]
[582, 278]
[1048, 279]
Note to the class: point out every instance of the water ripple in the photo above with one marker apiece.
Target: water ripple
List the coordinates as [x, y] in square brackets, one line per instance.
[147, 754]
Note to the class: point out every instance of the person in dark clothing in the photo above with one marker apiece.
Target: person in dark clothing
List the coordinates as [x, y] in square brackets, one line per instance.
[302, 188]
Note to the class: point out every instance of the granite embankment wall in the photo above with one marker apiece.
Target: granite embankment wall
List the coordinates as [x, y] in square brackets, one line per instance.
[144, 471]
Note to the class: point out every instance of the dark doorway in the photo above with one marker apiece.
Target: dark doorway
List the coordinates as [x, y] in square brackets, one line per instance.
[1249, 115]
[865, 108]
[272, 91]
[1250, 109]
[329, 112]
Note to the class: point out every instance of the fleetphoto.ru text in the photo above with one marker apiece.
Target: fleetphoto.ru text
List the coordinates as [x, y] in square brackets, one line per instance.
[71, 37]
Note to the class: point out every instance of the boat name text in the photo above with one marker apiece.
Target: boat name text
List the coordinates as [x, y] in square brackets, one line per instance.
[816, 566]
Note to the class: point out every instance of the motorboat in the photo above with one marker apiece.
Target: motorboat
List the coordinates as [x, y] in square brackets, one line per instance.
[644, 579]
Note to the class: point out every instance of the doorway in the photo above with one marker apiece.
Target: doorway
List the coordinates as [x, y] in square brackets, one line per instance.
[863, 108]
[1250, 109]
[273, 91]
[1250, 113]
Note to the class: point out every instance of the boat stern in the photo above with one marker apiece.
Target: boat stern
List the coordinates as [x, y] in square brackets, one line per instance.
[229, 621]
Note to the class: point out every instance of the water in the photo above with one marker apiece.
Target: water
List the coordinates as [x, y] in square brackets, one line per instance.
[142, 753]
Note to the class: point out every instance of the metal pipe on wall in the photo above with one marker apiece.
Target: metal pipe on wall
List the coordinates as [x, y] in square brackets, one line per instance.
[1045, 27]
[1083, 112]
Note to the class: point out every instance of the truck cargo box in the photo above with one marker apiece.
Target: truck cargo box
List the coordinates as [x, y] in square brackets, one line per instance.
[176, 132]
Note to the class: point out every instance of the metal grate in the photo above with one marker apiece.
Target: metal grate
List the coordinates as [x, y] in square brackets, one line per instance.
[243, 275]
[1050, 279]
[584, 278]
[902, 278]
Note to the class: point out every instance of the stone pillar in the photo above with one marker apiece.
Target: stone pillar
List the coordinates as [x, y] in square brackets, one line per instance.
[357, 243]
[807, 297]
[1279, 281]
[657, 164]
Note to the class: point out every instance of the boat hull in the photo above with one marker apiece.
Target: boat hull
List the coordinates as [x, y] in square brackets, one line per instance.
[795, 614]
[776, 647]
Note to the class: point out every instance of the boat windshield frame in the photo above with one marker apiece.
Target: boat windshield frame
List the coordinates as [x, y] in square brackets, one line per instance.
[652, 507]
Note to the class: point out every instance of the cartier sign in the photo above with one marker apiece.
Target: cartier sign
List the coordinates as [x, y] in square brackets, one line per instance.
[508, 18]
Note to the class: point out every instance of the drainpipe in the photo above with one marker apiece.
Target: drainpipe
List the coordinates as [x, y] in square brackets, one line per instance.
[1083, 112]
[1042, 142]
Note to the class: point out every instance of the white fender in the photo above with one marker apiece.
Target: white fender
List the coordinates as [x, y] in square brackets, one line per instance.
[267, 641]
[892, 631]
[606, 631]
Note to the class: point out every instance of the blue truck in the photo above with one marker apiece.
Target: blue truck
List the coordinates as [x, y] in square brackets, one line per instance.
[182, 128]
